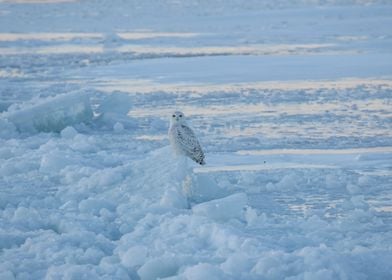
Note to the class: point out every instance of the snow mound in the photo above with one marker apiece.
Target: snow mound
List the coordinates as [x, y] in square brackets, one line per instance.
[51, 114]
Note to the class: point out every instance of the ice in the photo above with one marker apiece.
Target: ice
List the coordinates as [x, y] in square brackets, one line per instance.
[290, 101]
[353, 189]
[95, 206]
[333, 181]
[226, 208]
[113, 109]
[134, 256]
[358, 201]
[69, 132]
[158, 268]
[118, 127]
[51, 114]
[7, 275]
[205, 188]
[365, 181]
[203, 271]
[251, 216]
[236, 264]
[7, 129]
[56, 160]
[289, 182]
[27, 217]
[71, 272]
[174, 198]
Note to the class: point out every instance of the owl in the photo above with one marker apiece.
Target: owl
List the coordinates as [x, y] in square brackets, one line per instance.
[183, 139]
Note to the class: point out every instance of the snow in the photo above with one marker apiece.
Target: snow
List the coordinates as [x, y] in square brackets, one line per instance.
[291, 101]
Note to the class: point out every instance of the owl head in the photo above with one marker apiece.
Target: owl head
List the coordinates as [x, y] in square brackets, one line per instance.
[177, 117]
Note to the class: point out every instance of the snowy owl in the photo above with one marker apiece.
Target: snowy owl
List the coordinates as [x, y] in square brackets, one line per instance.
[183, 139]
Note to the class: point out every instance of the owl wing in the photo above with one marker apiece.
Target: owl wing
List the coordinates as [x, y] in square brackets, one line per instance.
[189, 144]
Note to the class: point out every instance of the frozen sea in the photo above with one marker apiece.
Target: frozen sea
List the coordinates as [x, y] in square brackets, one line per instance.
[291, 101]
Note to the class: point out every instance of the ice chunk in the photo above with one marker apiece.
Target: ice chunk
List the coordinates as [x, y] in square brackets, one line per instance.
[69, 132]
[288, 182]
[270, 186]
[158, 268]
[334, 181]
[28, 217]
[251, 216]
[52, 114]
[110, 266]
[113, 110]
[94, 206]
[230, 207]
[269, 265]
[118, 127]
[7, 129]
[353, 189]
[107, 177]
[83, 143]
[204, 271]
[70, 271]
[322, 274]
[118, 103]
[359, 202]
[134, 256]
[173, 198]
[236, 264]
[92, 255]
[205, 188]
[55, 161]
[365, 181]
[7, 275]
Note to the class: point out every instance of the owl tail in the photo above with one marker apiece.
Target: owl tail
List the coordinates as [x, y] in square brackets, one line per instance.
[199, 158]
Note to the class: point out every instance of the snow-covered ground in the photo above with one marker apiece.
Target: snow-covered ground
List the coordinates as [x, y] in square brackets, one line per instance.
[291, 100]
